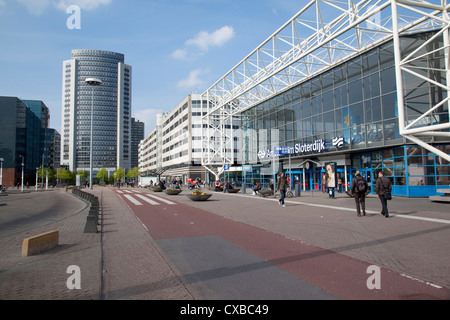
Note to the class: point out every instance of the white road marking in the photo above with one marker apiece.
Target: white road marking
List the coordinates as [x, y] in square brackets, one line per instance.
[133, 200]
[154, 203]
[159, 199]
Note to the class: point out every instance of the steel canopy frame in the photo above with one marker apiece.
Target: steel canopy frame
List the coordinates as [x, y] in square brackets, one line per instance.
[423, 126]
[322, 35]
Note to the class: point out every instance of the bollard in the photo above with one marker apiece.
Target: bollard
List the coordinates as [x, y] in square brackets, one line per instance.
[91, 225]
[93, 211]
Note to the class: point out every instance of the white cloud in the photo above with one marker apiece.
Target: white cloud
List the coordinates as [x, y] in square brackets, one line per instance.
[194, 79]
[180, 54]
[218, 38]
[204, 41]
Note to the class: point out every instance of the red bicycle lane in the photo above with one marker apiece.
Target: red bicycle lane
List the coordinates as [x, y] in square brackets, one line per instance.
[339, 275]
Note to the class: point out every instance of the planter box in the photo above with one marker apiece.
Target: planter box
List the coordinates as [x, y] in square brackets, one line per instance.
[265, 193]
[233, 190]
[156, 189]
[172, 192]
[199, 197]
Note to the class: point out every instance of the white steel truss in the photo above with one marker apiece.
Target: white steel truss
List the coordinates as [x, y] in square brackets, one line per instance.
[322, 35]
[419, 129]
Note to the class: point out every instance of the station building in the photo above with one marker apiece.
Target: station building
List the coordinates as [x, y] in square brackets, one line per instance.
[347, 115]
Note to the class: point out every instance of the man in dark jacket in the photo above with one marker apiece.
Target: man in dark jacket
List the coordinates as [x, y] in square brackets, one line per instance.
[358, 190]
[281, 185]
[383, 184]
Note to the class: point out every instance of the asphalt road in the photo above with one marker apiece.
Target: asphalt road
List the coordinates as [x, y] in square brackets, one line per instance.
[225, 258]
[24, 211]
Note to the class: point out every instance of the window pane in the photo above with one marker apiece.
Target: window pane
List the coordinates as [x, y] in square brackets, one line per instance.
[388, 83]
[328, 119]
[386, 55]
[374, 134]
[443, 180]
[328, 101]
[340, 96]
[370, 62]
[357, 113]
[318, 124]
[391, 131]
[307, 127]
[306, 108]
[339, 119]
[373, 110]
[340, 75]
[389, 106]
[372, 86]
[359, 137]
[355, 91]
[316, 105]
[354, 69]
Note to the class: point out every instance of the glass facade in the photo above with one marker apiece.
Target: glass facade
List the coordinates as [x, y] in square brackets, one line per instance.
[355, 102]
[413, 171]
[20, 141]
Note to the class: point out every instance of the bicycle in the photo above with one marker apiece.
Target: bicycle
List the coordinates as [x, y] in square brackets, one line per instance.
[289, 193]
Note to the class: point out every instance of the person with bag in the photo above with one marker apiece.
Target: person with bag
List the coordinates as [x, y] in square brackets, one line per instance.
[281, 185]
[383, 189]
[358, 190]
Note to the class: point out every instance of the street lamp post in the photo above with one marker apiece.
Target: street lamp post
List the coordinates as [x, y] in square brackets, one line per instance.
[1, 174]
[43, 171]
[93, 82]
[23, 164]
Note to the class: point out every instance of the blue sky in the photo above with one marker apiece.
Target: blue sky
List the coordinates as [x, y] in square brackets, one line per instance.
[175, 47]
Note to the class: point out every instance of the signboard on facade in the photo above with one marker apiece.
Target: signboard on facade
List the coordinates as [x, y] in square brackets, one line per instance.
[317, 146]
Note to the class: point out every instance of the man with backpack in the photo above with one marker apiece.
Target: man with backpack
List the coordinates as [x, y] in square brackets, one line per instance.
[383, 188]
[358, 190]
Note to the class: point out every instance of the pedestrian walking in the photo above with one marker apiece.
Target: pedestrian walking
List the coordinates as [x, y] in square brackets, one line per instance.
[358, 190]
[281, 185]
[383, 189]
[340, 183]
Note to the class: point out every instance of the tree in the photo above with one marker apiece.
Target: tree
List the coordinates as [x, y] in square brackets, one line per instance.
[64, 174]
[102, 174]
[119, 173]
[133, 173]
[83, 174]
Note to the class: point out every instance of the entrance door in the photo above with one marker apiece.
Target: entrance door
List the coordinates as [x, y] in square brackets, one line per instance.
[316, 180]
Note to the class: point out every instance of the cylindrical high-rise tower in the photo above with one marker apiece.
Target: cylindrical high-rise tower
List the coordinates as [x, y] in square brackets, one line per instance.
[112, 111]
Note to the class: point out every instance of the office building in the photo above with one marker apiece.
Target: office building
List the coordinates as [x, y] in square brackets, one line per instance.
[174, 148]
[111, 103]
[25, 138]
[137, 134]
